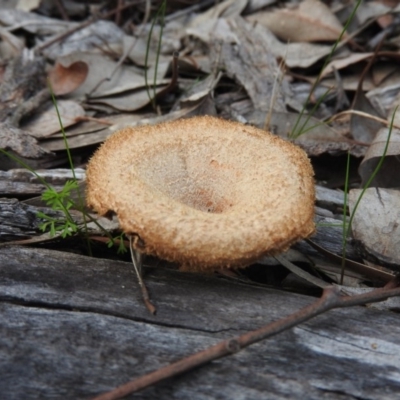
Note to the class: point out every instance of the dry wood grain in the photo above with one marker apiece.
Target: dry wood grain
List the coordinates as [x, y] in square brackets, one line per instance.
[73, 327]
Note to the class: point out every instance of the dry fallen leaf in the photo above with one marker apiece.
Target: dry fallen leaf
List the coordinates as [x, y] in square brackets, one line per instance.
[225, 9]
[137, 50]
[45, 122]
[385, 177]
[301, 55]
[385, 70]
[348, 81]
[106, 77]
[27, 5]
[344, 61]
[250, 63]
[383, 98]
[371, 9]
[10, 45]
[376, 223]
[34, 23]
[363, 129]
[98, 36]
[90, 132]
[317, 137]
[65, 80]
[310, 20]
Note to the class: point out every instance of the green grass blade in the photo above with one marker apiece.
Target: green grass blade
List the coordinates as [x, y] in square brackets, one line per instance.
[347, 228]
[296, 131]
[160, 12]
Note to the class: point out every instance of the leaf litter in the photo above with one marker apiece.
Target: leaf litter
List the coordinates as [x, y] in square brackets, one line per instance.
[253, 61]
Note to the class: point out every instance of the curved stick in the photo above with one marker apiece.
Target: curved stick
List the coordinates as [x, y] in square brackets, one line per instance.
[330, 299]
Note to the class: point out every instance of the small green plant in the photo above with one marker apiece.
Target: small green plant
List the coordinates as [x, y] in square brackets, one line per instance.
[59, 201]
[63, 201]
[120, 240]
[50, 193]
[159, 16]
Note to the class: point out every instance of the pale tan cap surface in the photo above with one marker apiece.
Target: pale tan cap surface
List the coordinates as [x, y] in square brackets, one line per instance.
[204, 192]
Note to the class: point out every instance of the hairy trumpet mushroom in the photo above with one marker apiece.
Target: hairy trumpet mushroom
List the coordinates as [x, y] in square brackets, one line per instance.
[204, 192]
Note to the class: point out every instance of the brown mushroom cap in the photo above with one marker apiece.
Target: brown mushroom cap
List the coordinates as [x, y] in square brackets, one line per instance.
[203, 191]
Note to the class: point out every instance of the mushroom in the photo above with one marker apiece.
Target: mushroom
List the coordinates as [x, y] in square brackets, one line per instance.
[204, 192]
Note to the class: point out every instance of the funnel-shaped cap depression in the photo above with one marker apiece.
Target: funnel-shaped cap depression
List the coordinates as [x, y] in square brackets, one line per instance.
[203, 191]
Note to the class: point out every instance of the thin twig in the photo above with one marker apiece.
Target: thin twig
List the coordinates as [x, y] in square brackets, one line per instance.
[137, 264]
[127, 52]
[83, 25]
[63, 35]
[330, 299]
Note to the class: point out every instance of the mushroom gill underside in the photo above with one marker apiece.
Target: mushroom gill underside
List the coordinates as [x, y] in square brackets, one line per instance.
[204, 192]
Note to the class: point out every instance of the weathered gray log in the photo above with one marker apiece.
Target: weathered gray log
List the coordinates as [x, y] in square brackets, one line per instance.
[21, 221]
[72, 327]
[25, 221]
[21, 181]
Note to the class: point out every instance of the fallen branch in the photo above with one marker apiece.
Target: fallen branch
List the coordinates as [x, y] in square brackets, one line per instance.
[330, 299]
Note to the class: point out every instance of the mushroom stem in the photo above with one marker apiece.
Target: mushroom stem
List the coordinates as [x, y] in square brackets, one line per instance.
[137, 261]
